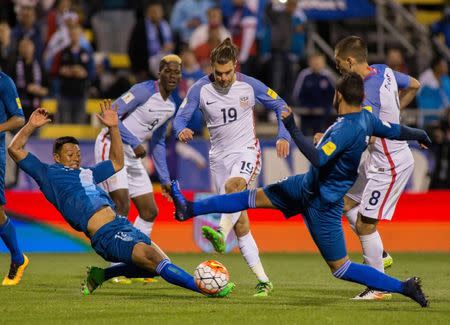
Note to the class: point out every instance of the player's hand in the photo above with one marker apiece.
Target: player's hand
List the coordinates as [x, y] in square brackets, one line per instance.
[108, 116]
[165, 188]
[317, 137]
[282, 148]
[140, 151]
[186, 135]
[39, 118]
[286, 112]
[426, 142]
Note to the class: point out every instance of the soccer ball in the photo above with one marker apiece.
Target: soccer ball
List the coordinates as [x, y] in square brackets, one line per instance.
[211, 277]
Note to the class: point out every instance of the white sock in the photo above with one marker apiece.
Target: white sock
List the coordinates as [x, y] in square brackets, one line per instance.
[227, 222]
[373, 250]
[250, 253]
[144, 226]
[352, 216]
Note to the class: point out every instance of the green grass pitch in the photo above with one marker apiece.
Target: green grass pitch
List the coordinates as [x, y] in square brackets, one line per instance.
[305, 293]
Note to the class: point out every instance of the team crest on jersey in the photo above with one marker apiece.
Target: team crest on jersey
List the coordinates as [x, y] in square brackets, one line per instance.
[19, 104]
[244, 101]
[272, 93]
[329, 148]
[128, 97]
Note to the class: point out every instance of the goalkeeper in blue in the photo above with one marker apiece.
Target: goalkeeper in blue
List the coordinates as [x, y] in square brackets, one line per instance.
[73, 190]
[318, 194]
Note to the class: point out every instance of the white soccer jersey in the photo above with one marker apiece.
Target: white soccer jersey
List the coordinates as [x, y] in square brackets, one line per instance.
[229, 113]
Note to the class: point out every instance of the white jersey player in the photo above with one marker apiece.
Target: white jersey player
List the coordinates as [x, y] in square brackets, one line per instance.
[144, 112]
[226, 99]
[388, 164]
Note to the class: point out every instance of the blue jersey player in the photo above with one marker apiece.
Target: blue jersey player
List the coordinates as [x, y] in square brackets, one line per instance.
[11, 117]
[318, 194]
[73, 190]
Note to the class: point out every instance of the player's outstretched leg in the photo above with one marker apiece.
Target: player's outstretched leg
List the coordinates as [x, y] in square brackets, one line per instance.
[18, 260]
[377, 280]
[226, 203]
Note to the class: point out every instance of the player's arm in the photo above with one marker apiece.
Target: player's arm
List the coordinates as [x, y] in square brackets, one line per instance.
[272, 101]
[110, 119]
[400, 132]
[16, 148]
[408, 87]
[185, 112]
[158, 151]
[10, 98]
[317, 156]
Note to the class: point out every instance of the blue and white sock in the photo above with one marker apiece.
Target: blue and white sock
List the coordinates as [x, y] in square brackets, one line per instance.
[127, 270]
[176, 275]
[8, 234]
[227, 203]
[369, 276]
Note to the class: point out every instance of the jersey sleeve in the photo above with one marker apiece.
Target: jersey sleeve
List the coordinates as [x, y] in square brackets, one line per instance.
[372, 102]
[158, 151]
[337, 142]
[384, 129]
[10, 97]
[270, 99]
[102, 171]
[34, 167]
[133, 98]
[403, 80]
[187, 108]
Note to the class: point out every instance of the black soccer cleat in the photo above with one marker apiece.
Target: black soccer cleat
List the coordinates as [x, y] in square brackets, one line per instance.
[183, 208]
[413, 290]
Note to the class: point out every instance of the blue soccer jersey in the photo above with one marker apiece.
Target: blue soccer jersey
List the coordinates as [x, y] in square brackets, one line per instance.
[72, 191]
[340, 151]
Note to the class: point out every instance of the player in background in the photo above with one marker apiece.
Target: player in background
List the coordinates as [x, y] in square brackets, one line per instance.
[318, 194]
[11, 118]
[144, 113]
[226, 99]
[73, 191]
[387, 167]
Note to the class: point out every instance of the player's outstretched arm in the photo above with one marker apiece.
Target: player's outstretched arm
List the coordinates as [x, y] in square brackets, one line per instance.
[16, 148]
[109, 118]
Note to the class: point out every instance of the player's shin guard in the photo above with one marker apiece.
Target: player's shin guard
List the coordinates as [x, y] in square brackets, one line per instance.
[227, 203]
[227, 222]
[373, 250]
[8, 234]
[128, 270]
[352, 216]
[176, 275]
[368, 276]
[250, 252]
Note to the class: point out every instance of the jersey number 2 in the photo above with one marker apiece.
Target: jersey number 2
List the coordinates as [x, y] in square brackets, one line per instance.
[229, 115]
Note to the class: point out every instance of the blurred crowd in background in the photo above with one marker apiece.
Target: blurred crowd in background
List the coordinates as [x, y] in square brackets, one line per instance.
[65, 50]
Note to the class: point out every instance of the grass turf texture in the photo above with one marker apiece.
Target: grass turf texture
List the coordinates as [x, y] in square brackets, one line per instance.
[305, 293]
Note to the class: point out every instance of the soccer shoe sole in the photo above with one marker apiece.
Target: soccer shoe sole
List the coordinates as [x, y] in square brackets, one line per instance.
[120, 280]
[12, 282]
[387, 262]
[213, 237]
[375, 296]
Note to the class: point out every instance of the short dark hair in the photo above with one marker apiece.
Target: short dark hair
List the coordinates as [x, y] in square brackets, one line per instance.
[224, 52]
[351, 87]
[59, 142]
[353, 46]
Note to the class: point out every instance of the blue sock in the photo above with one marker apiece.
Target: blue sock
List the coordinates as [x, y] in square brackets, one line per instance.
[127, 270]
[227, 203]
[175, 275]
[8, 234]
[369, 276]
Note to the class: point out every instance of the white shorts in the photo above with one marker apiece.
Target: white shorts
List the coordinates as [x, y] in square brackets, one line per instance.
[132, 176]
[379, 191]
[245, 164]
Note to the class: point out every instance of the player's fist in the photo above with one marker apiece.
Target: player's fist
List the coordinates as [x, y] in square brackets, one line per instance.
[39, 118]
[186, 135]
[286, 112]
[317, 137]
[282, 148]
[140, 151]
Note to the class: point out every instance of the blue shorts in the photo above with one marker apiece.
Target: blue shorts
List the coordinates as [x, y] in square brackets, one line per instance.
[115, 240]
[324, 223]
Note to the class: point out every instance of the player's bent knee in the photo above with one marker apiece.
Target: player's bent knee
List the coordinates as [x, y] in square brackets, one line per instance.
[149, 214]
[336, 265]
[242, 227]
[349, 204]
[365, 225]
[145, 256]
[235, 184]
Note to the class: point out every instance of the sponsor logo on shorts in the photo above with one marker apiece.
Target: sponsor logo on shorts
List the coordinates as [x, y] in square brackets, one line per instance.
[123, 236]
